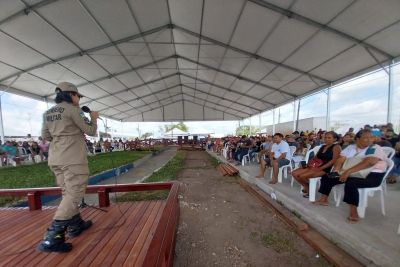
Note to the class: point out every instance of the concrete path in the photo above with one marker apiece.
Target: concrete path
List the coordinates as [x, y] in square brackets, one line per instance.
[143, 168]
[373, 240]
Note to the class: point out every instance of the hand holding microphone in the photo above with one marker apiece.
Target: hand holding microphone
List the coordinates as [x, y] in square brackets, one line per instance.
[94, 115]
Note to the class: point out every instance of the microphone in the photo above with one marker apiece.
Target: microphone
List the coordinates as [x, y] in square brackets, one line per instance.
[86, 109]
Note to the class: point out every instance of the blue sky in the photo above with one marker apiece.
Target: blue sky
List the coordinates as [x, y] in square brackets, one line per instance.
[364, 98]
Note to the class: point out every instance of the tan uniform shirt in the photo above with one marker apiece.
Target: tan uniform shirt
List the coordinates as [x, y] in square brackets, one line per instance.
[64, 125]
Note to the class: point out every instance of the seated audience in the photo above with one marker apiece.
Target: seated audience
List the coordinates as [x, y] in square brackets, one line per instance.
[265, 147]
[12, 152]
[44, 148]
[35, 150]
[347, 139]
[377, 138]
[323, 162]
[372, 164]
[278, 157]
[395, 173]
[299, 154]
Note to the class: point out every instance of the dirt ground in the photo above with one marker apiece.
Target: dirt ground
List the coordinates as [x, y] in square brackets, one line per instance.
[222, 225]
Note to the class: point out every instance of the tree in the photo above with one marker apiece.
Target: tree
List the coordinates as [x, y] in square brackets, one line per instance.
[181, 126]
[245, 130]
[146, 135]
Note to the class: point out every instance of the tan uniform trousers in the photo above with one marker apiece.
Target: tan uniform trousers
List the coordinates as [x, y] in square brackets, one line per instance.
[73, 180]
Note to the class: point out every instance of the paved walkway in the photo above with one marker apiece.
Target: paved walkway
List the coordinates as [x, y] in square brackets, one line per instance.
[373, 241]
[143, 168]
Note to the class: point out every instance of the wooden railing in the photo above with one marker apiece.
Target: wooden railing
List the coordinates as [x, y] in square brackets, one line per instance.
[35, 202]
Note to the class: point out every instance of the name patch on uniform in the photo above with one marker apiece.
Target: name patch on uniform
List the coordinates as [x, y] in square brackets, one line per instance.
[55, 109]
[55, 117]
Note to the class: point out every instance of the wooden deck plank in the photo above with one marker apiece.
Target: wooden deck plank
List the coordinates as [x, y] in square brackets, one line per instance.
[114, 247]
[124, 250]
[25, 239]
[85, 243]
[16, 219]
[168, 222]
[137, 209]
[132, 239]
[115, 239]
[135, 249]
[33, 258]
[147, 241]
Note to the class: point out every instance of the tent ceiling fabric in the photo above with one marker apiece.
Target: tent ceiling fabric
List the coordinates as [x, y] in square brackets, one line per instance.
[167, 60]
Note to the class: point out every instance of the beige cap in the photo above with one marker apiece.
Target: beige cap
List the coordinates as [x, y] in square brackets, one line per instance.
[68, 87]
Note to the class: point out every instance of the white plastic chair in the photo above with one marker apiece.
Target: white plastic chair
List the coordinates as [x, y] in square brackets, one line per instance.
[246, 158]
[283, 171]
[367, 192]
[307, 158]
[224, 151]
[38, 159]
[389, 151]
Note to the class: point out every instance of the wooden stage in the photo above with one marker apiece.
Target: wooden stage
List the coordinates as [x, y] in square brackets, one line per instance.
[128, 234]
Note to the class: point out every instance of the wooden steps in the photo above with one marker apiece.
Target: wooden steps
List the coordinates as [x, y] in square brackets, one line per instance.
[227, 170]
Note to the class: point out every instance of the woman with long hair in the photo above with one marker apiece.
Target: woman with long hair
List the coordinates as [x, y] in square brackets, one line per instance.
[326, 156]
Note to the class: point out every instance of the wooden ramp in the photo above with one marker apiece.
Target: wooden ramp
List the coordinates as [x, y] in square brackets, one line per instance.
[128, 234]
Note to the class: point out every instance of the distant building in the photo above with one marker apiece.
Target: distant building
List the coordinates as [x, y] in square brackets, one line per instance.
[313, 123]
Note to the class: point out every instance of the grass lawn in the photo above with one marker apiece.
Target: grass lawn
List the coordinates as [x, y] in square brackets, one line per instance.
[39, 175]
[166, 173]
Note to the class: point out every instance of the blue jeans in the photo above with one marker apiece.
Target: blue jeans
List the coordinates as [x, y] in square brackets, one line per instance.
[396, 169]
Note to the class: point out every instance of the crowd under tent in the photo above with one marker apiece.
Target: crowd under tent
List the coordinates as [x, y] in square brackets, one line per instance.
[188, 60]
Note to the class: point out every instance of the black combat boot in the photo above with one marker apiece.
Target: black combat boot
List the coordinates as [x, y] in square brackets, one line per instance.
[77, 226]
[54, 239]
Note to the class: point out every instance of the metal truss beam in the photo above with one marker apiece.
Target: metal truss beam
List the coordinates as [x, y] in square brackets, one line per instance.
[137, 86]
[91, 50]
[227, 89]
[183, 100]
[142, 106]
[221, 97]
[214, 108]
[27, 10]
[293, 15]
[236, 76]
[214, 103]
[127, 71]
[249, 54]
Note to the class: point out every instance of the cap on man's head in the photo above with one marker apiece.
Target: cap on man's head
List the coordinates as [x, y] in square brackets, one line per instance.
[376, 132]
[68, 87]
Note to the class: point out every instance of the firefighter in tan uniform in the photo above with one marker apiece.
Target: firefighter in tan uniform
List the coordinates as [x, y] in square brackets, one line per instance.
[64, 126]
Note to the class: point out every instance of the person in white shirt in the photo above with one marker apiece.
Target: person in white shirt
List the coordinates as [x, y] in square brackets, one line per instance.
[278, 157]
[374, 160]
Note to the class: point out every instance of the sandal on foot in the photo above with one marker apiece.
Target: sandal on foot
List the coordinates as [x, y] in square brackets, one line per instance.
[352, 220]
[321, 203]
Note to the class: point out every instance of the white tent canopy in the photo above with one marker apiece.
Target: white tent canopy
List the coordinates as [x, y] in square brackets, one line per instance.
[186, 60]
[174, 133]
[201, 132]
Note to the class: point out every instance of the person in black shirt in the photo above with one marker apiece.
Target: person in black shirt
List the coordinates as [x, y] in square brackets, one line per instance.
[328, 154]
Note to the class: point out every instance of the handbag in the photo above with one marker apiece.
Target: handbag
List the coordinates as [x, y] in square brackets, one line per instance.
[315, 163]
[351, 162]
